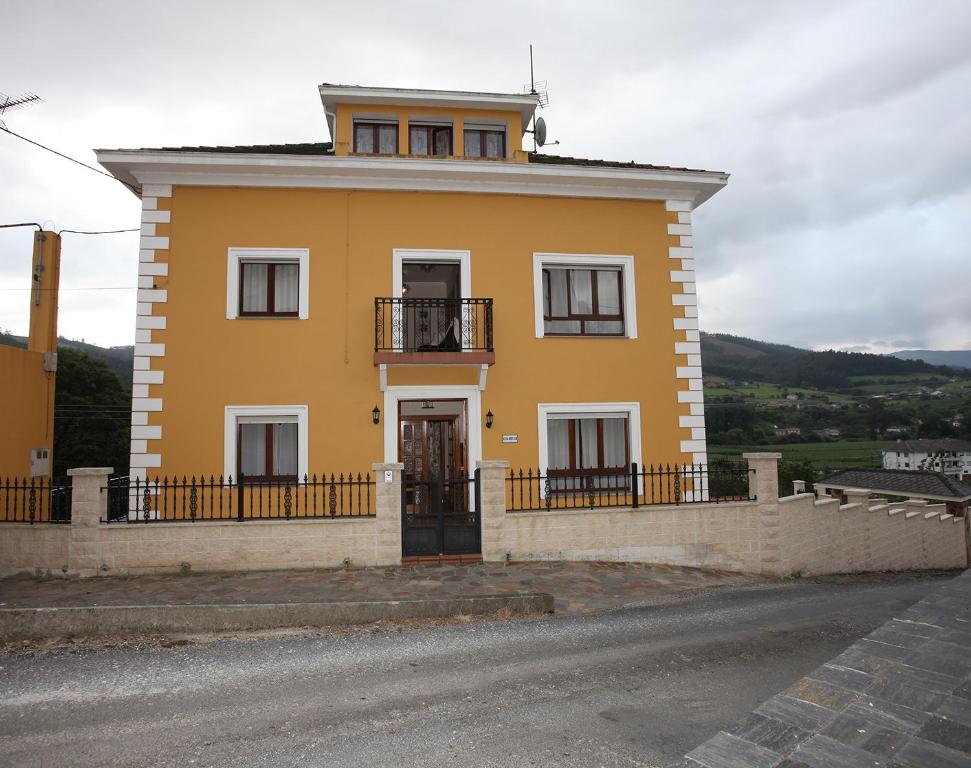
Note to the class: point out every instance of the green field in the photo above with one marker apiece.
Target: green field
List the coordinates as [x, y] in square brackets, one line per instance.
[835, 455]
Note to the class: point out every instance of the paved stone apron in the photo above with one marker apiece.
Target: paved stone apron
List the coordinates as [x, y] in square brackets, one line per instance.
[898, 698]
[579, 588]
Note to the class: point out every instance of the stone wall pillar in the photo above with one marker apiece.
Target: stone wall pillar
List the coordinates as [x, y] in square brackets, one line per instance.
[387, 509]
[492, 510]
[764, 482]
[89, 505]
[859, 496]
[798, 486]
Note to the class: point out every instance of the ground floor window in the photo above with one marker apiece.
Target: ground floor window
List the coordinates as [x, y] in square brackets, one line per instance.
[588, 450]
[266, 442]
[268, 451]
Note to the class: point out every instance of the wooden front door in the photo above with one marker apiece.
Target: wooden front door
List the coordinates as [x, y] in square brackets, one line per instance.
[438, 516]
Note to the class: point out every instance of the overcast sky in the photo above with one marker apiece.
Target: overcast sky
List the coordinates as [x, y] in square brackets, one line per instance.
[846, 127]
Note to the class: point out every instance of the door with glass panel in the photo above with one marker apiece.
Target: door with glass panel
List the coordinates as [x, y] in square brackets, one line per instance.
[438, 517]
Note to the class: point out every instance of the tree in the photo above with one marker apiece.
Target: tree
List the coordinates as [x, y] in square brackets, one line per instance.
[91, 414]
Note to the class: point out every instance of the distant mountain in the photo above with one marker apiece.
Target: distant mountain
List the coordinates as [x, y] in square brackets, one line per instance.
[119, 359]
[739, 358]
[957, 358]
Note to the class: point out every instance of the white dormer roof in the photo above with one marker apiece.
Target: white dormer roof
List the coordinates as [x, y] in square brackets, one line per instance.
[332, 95]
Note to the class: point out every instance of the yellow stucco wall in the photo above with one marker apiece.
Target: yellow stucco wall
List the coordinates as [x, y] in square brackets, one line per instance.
[347, 112]
[26, 389]
[326, 362]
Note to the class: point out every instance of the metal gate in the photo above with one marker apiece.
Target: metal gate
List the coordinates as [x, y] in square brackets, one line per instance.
[441, 516]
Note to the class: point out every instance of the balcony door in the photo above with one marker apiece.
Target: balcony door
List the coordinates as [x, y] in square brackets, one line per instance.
[431, 310]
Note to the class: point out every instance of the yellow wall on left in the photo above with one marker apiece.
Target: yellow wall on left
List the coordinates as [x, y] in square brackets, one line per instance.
[26, 389]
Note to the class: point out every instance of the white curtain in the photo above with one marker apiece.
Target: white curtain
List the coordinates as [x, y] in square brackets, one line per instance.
[615, 442]
[363, 138]
[558, 443]
[285, 290]
[254, 287]
[472, 145]
[557, 282]
[252, 449]
[388, 139]
[494, 144]
[418, 141]
[285, 449]
[581, 291]
[608, 292]
[587, 442]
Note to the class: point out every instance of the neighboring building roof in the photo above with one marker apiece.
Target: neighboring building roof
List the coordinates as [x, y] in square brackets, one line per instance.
[900, 482]
[931, 446]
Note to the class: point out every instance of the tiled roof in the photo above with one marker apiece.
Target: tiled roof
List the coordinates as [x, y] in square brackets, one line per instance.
[900, 482]
[931, 446]
[536, 157]
[326, 148]
[309, 148]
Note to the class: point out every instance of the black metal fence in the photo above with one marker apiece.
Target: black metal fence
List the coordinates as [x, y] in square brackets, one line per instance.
[432, 325]
[34, 500]
[677, 484]
[189, 500]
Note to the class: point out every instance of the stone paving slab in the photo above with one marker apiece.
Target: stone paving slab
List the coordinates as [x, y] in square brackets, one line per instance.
[898, 698]
[578, 588]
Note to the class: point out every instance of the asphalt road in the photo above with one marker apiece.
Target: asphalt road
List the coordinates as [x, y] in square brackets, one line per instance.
[636, 688]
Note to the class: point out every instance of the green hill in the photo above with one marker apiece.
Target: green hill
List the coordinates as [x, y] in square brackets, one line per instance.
[742, 359]
[118, 359]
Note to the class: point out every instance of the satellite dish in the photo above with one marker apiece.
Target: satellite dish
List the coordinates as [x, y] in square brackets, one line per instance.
[540, 131]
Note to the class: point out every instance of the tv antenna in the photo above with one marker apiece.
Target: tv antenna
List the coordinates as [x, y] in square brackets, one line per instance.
[12, 102]
[537, 89]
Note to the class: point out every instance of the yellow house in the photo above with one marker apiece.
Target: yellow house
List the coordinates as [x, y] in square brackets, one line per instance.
[422, 290]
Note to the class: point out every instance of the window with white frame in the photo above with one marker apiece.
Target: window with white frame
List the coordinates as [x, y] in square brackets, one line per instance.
[588, 445]
[268, 283]
[266, 443]
[584, 295]
[588, 450]
[267, 450]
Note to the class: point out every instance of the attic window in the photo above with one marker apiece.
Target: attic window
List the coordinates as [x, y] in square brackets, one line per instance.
[375, 138]
[433, 140]
[485, 141]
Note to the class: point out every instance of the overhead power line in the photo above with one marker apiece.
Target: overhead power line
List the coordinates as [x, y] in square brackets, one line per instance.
[98, 232]
[73, 160]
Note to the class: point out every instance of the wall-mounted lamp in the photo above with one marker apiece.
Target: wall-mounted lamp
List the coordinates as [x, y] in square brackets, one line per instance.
[376, 415]
[489, 418]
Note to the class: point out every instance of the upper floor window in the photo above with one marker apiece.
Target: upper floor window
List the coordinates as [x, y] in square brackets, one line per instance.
[376, 138]
[583, 301]
[485, 142]
[269, 288]
[584, 295]
[434, 140]
[268, 282]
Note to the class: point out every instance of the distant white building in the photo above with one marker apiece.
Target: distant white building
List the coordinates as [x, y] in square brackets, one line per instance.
[952, 457]
[785, 431]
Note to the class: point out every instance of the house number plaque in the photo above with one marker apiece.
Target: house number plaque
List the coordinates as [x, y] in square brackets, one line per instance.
[510, 438]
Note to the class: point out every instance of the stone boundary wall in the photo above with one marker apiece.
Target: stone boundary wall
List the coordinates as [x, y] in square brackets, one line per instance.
[772, 536]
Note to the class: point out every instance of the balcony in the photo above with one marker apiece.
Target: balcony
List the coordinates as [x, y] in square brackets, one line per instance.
[433, 331]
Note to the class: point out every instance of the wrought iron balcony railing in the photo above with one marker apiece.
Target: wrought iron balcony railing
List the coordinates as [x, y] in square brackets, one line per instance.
[432, 325]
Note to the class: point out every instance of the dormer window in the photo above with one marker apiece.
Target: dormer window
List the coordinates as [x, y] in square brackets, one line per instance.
[485, 141]
[372, 137]
[429, 139]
